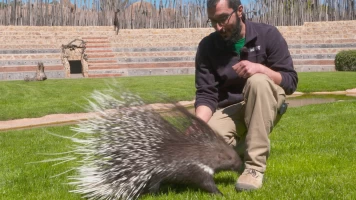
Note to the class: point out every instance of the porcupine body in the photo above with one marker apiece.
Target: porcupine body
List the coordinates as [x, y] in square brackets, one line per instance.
[129, 149]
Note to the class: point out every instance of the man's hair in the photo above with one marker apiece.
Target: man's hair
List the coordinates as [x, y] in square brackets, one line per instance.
[234, 4]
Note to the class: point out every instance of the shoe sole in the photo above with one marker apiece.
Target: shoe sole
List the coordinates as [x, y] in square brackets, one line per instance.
[245, 187]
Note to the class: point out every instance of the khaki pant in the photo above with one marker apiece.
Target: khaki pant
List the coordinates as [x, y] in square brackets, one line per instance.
[247, 125]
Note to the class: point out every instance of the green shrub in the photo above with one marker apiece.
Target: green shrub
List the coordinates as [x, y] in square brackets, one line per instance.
[345, 60]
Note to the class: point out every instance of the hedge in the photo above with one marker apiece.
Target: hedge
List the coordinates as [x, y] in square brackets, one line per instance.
[345, 60]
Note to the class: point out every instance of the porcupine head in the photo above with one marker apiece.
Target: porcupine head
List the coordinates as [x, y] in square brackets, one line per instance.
[130, 149]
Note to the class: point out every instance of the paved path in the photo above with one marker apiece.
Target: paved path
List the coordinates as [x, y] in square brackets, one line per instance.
[60, 119]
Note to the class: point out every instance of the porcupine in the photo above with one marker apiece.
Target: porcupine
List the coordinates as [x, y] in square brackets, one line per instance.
[130, 149]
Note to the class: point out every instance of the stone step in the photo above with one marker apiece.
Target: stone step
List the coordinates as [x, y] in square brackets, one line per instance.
[179, 31]
[102, 58]
[103, 75]
[55, 51]
[338, 33]
[29, 38]
[321, 46]
[32, 42]
[92, 43]
[99, 50]
[97, 42]
[92, 61]
[140, 65]
[155, 44]
[322, 41]
[56, 28]
[311, 30]
[155, 49]
[323, 51]
[146, 71]
[29, 56]
[333, 23]
[94, 38]
[96, 55]
[313, 56]
[156, 59]
[35, 43]
[313, 62]
[312, 59]
[137, 42]
[101, 66]
[30, 62]
[314, 68]
[58, 33]
[181, 42]
[29, 68]
[134, 33]
[172, 37]
[20, 75]
[322, 31]
[28, 46]
[317, 36]
[101, 45]
[155, 54]
[35, 37]
[76, 76]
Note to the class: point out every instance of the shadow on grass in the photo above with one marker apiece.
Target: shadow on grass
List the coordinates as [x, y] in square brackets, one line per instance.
[225, 180]
[167, 189]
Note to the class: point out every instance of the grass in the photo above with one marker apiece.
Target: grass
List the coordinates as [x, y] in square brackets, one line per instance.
[326, 81]
[312, 146]
[21, 180]
[21, 99]
[313, 157]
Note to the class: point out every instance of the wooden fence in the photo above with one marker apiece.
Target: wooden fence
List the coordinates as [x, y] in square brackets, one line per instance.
[167, 14]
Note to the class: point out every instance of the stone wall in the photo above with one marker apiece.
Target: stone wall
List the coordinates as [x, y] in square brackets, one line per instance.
[142, 52]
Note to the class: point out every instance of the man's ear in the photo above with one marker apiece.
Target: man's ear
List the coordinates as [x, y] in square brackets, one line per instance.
[239, 11]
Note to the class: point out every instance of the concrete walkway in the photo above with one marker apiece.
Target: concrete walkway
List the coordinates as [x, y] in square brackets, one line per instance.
[62, 119]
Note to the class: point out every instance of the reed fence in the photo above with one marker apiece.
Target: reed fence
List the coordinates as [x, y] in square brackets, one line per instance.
[164, 14]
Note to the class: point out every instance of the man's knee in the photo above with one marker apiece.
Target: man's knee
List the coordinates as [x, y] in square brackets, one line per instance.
[259, 82]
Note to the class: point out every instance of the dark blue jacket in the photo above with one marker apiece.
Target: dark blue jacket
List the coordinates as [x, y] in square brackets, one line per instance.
[217, 83]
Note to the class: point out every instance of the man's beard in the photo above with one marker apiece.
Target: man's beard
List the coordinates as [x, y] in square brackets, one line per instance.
[235, 34]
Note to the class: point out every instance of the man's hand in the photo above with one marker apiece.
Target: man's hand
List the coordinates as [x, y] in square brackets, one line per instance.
[245, 68]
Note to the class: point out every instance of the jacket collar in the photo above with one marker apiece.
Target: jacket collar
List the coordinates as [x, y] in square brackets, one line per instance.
[251, 32]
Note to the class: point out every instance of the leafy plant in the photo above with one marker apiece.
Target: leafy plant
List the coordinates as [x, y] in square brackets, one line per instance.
[345, 60]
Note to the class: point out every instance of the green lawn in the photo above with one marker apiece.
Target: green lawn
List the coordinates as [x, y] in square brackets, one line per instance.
[19, 99]
[313, 157]
[313, 147]
[326, 81]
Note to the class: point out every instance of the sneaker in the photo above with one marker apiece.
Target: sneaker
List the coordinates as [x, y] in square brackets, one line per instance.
[250, 179]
